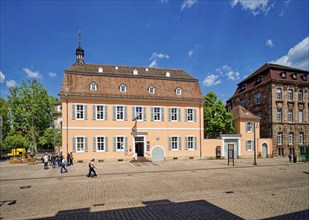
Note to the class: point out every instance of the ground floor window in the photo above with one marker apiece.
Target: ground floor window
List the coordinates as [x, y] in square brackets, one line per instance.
[280, 151]
[175, 143]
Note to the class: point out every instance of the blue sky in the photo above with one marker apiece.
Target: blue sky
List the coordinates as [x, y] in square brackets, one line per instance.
[217, 42]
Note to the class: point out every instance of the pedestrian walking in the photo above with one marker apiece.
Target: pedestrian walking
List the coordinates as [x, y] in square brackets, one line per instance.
[92, 169]
[53, 160]
[45, 160]
[71, 157]
[68, 159]
[63, 166]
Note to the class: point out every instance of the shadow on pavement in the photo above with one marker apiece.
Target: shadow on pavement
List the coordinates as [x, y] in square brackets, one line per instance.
[160, 209]
[295, 215]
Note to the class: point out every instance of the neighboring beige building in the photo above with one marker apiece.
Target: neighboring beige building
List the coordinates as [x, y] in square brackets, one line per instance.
[279, 96]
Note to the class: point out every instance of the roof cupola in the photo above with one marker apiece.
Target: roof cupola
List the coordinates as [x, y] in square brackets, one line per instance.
[79, 52]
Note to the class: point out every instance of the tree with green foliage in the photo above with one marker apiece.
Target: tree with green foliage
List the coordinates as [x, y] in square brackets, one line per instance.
[31, 111]
[4, 112]
[51, 136]
[15, 140]
[216, 119]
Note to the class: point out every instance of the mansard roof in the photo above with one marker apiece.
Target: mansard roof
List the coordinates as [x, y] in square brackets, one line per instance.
[108, 78]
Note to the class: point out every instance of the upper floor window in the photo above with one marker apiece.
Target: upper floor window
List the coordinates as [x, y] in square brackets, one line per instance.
[123, 88]
[79, 112]
[291, 135]
[290, 95]
[174, 114]
[301, 137]
[279, 115]
[93, 86]
[178, 91]
[279, 138]
[300, 116]
[304, 77]
[242, 103]
[157, 114]
[290, 116]
[282, 75]
[294, 76]
[258, 98]
[300, 95]
[175, 143]
[279, 94]
[139, 113]
[119, 112]
[249, 126]
[190, 114]
[99, 112]
[191, 143]
[249, 145]
[151, 90]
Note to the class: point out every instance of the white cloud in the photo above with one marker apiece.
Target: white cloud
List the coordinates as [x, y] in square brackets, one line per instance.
[285, 6]
[155, 57]
[255, 7]
[10, 83]
[2, 77]
[32, 74]
[190, 53]
[187, 4]
[153, 64]
[164, 1]
[211, 80]
[269, 43]
[297, 57]
[229, 72]
[52, 74]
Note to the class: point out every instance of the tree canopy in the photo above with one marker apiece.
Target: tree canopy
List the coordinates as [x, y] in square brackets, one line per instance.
[216, 119]
[31, 111]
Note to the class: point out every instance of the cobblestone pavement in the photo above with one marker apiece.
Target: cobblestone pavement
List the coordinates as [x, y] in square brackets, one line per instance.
[195, 189]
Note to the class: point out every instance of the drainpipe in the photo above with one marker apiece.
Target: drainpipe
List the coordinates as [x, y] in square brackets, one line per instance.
[200, 130]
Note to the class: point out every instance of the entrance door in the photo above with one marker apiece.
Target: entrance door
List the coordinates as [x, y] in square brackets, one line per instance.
[139, 146]
[264, 150]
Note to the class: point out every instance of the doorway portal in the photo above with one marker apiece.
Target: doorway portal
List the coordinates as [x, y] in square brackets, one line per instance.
[139, 146]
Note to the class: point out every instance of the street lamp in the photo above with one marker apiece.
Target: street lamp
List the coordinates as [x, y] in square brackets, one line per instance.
[254, 159]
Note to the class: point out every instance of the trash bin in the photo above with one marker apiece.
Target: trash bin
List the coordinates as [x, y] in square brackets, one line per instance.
[294, 159]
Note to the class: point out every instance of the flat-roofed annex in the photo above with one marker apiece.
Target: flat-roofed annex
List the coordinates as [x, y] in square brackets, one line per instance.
[78, 77]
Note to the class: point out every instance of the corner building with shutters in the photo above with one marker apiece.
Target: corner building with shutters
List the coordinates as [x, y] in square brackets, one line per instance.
[121, 113]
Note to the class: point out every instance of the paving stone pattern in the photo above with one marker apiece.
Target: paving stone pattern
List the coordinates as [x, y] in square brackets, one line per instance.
[275, 189]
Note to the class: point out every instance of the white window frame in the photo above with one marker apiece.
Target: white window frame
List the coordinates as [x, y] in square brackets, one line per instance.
[300, 96]
[300, 116]
[291, 138]
[157, 114]
[279, 94]
[152, 90]
[120, 146]
[290, 95]
[178, 91]
[79, 112]
[101, 143]
[123, 88]
[279, 138]
[290, 116]
[190, 115]
[191, 142]
[258, 98]
[174, 114]
[249, 145]
[119, 112]
[93, 86]
[249, 126]
[139, 113]
[301, 138]
[102, 111]
[175, 143]
[80, 144]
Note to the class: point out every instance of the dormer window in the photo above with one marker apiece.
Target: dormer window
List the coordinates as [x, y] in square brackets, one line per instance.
[100, 70]
[293, 76]
[304, 77]
[151, 90]
[135, 72]
[258, 80]
[93, 86]
[123, 88]
[146, 69]
[168, 74]
[283, 75]
[116, 67]
[178, 91]
[242, 88]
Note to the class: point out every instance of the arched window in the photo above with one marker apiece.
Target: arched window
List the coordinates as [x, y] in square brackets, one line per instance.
[152, 89]
[178, 91]
[93, 86]
[123, 88]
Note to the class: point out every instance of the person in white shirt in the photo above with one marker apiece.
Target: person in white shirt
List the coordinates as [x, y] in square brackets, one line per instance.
[91, 169]
[45, 159]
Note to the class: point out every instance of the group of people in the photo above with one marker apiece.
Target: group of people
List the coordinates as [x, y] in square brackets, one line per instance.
[58, 159]
[52, 160]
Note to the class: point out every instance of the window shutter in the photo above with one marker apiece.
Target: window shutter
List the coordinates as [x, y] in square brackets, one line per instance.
[170, 143]
[106, 144]
[94, 112]
[133, 113]
[74, 144]
[194, 115]
[105, 112]
[169, 114]
[86, 112]
[186, 147]
[179, 114]
[144, 113]
[179, 143]
[195, 143]
[114, 112]
[86, 144]
[152, 113]
[125, 113]
[186, 115]
[114, 143]
[126, 143]
[162, 114]
[94, 144]
[73, 112]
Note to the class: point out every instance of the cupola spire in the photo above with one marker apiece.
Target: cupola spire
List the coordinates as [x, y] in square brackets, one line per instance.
[79, 51]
